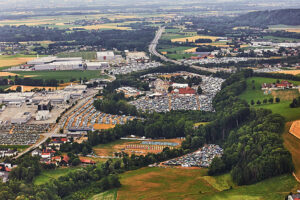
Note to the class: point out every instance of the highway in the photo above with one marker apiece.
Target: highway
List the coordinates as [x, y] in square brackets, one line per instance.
[152, 50]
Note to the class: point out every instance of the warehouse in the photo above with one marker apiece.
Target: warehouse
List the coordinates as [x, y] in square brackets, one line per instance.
[96, 65]
[105, 56]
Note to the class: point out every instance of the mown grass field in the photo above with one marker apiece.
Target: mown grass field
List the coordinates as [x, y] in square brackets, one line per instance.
[171, 183]
[108, 149]
[62, 75]
[280, 39]
[47, 175]
[108, 195]
[179, 56]
[286, 97]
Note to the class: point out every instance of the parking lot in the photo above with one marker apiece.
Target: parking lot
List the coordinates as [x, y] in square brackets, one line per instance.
[132, 67]
[86, 117]
[201, 158]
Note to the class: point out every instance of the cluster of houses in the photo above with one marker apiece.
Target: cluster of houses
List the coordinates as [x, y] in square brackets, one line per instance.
[275, 86]
[5, 169]
[48, 155]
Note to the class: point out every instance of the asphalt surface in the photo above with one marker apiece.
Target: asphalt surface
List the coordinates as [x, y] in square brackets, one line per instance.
[152, 50]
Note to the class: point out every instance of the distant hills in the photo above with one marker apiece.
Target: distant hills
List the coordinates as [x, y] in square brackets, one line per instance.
[270, 17]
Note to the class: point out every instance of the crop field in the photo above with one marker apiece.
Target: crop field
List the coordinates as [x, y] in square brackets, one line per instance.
[295, 29]
[134, 146]
[193, 38]
[7, 60]
[292, 144]
[173, 49]
[105, 26]
[215, 44]
[29, 88]
[293, 72]
[173, 183]
[66, 76]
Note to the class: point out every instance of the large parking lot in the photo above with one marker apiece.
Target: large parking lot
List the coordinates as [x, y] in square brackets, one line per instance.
[86, 117]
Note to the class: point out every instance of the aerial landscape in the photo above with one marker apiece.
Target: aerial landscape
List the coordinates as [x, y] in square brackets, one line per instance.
[137, 99]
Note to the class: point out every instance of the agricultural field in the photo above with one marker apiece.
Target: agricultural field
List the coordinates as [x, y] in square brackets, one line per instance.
[292, 144]
[66, 76]
[295, 29]
[179, 56]
[173, 183]
[292, 72]
[133, 146]
[29, 88]
[193, 38]
[88, 55]
[47, 175]
[7, 60]
[280, 39]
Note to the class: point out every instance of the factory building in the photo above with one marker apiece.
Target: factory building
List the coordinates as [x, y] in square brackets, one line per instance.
[105, 56]
[96, 65]
[17, 98]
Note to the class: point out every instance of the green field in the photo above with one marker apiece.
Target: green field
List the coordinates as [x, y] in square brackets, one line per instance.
[280, 39]
[87, 55]
[171, 183]
[108, 195]
[179, 56]
[280, 108]
[108, 149]
[62, 75]
[47, 175]
[173, 49]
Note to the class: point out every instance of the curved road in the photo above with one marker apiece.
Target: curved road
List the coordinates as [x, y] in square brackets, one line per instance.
[152, 50]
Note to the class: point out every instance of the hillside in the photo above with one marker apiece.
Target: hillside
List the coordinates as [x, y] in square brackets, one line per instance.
[270, 17]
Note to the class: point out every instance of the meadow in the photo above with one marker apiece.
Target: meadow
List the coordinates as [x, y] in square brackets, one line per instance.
[47, 175]
[286, 97]
[280, 39]
[173, 183]
[66, 76]
[287, 28]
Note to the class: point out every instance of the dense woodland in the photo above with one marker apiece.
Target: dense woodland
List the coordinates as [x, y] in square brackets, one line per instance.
[120, 39]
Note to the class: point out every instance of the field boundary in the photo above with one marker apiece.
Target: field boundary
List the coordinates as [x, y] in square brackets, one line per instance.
[293, 130]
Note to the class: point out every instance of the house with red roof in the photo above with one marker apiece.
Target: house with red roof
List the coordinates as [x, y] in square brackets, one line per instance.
[87, 161]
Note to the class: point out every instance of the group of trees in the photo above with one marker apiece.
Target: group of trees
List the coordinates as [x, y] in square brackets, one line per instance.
[120, 39]
[189, 80]
[115, 103]
[253, 148]
[30, 82]
[295, 103]
[265, 101]
[94, 179]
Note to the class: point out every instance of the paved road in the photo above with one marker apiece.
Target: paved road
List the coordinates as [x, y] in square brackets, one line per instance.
[152, 50]
[56, 129]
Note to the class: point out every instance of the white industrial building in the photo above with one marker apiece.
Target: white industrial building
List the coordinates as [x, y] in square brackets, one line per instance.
[42, 115]
[96, 65]
[17, 98]
[136, 56]
[105, 56]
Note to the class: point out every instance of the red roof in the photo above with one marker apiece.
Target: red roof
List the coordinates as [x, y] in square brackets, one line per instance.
[187, 90]
[7, 169]
[87, 161]
[45, 153]
[66, 159]
[56, 158]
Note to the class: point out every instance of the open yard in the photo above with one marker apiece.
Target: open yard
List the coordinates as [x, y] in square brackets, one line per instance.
[132, 146]
[168, 183]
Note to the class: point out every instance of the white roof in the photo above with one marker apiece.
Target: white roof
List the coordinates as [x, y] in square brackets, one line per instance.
[105, 53]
